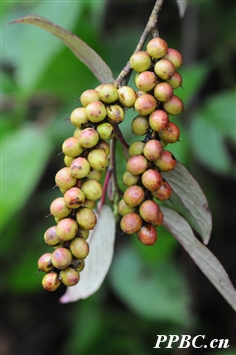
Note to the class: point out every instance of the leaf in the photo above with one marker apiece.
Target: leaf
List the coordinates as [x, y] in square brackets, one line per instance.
[182, 4]
[188, 199]
[81, 50]
[202, 256]
[25, 153]
[97, 263]
[157, 292]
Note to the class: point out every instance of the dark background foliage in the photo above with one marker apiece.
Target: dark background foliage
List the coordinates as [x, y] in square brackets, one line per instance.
[148, 291]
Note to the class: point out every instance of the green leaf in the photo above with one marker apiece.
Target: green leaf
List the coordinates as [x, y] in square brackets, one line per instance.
[25, 154]
[101, 241]
[157, 292]
[188, 199]
[81, 50]
[202, 256]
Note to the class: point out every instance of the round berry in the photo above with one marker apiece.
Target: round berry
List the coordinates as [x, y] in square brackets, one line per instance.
[66, 229]
[79, 248]
[137, 164]
[92, 189]
[164, 69]
[158, 120]
[127, 96]
[45, 262]
[130, 179]
[78, 264]
[140, 61]
[68, 160]
[166, 162]
[64, 179]
[96, 111]
[131, 223]
[175, 81]
[74, 197]
[147, 235]
[163, 193]
[133, 195]
[89, 96]
[78, 117]
[163, 92]
[69, 276]
[174, 105]
[157, 47]
[115, 114]
[152, 149]
[50, 236]
[123, 209]
[151, 179]
[170, 133]
[80, 167]
[88, 138]
[97, 159]
[59, 209]
[51, 282]
[86, 218]
[145, 104]
[94, 174]
[105, 130]
[145, 81]
[61, 258]
[149, 211]
[108, 93]
[71, 147]
[136, 148]
[175, 57]
[140, 125]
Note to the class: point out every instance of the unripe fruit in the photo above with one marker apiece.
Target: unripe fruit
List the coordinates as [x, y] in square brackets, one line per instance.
[166, 162]
[50, 236]
[175, 57]
[97, 159]
[163, 92]
[170, 134]
[140, 61]
[80, 167]
[145, 81]
[152, 150]
[105, 130]
[127, 96]
[164, 192]
[140, 125]
[147, 235]
[59, 209]
[78, 117]
[82, 233]
[89, 96]
[123, 209]
[105, 146]
[79, 248]
[96, 111]
[89, 204]
[86, 218]
[158, 120]
[136, 148]
[131, 223]
[45, 262]
[149, 211]
[115, 114]
[68, 160]
[78, 264]
[175, 81]
[92, 189]
[174, 105]
[164, 69]
[94, 174]
[108, 93]
[66, 229]
[71, 147]
[137, 164]
[69, 276]
[151, 179]
[130, 179]
[51, 282]
[64, 179]
[157, 47]
[74, 197]
[61, 258]
[133, 196]
[77, 132]
[88, 138]
[159, 220]
[145, 104]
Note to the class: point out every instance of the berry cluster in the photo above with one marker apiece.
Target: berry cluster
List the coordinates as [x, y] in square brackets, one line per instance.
[86, 156]
[156, 79]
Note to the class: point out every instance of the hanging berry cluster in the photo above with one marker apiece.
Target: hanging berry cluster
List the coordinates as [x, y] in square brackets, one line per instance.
[87, 156]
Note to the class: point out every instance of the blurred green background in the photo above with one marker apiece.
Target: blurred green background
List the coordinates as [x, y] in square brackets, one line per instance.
[148, 291]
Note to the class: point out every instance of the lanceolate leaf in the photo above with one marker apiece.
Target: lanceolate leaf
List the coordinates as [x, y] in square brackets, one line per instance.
[81, 50]
[190, 201]
[182, 4]
[101, 243]
[202, 256]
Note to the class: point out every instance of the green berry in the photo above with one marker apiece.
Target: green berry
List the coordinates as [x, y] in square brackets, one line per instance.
[96, 111]
[80, 167]
[108, 93]
[163, 92]
[78, 264]
[136, 148]
[86, 218]
[92, 189]
[115, 114]
[50, 236]
[68, 160]
[140, 125]
[175, 81]
[123, 209]
[97, 159]
[164, 69]
[105, 131]
[130, 179]
[174, 105]
[157, 47]
[79, 248]
[89, 96]
[140, 61]
[78, 117]
[94, 174]
[127, 96]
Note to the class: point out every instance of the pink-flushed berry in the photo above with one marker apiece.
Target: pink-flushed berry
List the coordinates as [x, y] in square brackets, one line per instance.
[97, 159]
[88, 137]
[163, 92]
[96, 111]
[123, 208]
[59, 208]
[50, 236]
[74, 197]
[69, 276]
[149, 211]
[157, 47]
[173, 106]
[105, 146]
[158, 120]
[51, 281]
[89, 96]
[164, 192]
[175, 81]
[170, 133]
[145, 104]
[140, 61]
[78, 117]
[166, 162]
[71, 147]
[64, 179]
[79, 248]
[61, 258]
[80, 168]
[66, 229]
[131, 223]
[127, 96]
[159, 220]
[175, 57]
[164, 69]
[134, 195]
[151, 179]
[147, 235]
[140, 125]
[45, 262]
[152, 149]
[86, 218]
[137, 164]
[145, 81]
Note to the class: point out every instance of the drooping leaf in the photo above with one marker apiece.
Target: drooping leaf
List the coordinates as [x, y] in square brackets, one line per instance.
[25, 154]
[101, 243]
[182, 4]
[154, 291]
[81, 50]
[201, 255]
[189, 199]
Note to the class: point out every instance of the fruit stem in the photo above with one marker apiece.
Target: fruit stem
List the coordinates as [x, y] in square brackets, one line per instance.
[151, 26]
